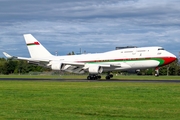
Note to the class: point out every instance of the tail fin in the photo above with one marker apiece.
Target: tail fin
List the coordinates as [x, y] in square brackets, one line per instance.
[35, 48]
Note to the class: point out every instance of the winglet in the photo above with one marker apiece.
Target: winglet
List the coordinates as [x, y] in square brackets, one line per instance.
[9, 56]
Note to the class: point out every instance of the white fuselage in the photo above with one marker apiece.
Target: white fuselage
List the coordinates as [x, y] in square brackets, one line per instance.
[131, 58]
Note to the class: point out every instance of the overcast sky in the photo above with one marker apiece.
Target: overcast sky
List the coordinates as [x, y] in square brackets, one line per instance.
[92, 25]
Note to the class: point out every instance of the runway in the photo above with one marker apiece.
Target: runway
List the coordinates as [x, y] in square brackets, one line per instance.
[84, 80]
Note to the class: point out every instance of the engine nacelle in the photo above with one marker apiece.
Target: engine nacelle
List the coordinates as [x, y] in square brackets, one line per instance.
[95, 69]
[57, 66]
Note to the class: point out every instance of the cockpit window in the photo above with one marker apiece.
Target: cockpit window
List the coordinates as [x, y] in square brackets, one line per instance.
[160, 48]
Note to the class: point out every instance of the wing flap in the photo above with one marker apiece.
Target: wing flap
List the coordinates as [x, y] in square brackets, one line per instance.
[75, 69]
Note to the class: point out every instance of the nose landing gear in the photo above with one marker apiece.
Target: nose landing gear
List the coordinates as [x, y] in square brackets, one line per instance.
[156, 72]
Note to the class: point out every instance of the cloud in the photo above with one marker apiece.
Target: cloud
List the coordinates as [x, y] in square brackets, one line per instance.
[94, 26]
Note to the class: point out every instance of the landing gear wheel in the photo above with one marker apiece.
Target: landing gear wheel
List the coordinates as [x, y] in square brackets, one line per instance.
[98, 77]
[111, 75]
[88, 77]
[93, 77]
[156, 75]
[156, 72]
[108, 77]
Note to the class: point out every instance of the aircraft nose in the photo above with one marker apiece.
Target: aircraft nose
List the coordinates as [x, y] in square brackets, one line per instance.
[173, 57]
[170, 59]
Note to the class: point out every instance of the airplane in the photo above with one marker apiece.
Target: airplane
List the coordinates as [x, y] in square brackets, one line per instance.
[97, 63]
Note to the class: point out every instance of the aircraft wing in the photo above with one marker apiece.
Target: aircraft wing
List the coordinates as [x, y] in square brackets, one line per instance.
[69, 66]
[74, 67]
[79, 68]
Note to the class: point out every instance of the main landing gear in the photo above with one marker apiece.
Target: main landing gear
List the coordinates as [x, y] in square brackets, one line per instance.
[109, 76]
[97, 77]
[93, 77]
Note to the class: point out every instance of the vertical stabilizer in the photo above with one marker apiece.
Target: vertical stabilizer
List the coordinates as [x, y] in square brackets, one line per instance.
[36, 49]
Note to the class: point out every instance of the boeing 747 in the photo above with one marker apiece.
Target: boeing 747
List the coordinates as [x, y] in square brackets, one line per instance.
[95, 64]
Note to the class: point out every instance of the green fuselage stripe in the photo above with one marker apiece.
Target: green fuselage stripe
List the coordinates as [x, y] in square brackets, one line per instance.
[160, 60]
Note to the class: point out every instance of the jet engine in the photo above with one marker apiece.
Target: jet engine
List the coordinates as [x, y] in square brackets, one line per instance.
[95, 69]
[57, 66]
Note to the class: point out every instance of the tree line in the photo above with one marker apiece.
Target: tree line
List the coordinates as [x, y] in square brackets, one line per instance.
[22, 67]
[18, 66]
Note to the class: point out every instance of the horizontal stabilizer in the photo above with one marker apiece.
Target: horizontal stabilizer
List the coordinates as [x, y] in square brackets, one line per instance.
[9, 56]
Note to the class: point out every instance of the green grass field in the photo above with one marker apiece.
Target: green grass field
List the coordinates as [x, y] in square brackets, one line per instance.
[89, 100]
